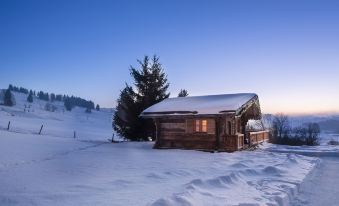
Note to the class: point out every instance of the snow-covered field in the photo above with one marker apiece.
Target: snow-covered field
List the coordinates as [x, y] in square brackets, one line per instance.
[55, 169]
[45, 170]
[96, 126]
[320, 187]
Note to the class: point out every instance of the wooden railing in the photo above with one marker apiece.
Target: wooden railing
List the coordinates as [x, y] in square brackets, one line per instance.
[257, 137]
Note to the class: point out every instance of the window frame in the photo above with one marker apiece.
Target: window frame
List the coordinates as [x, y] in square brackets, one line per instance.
[200, 126]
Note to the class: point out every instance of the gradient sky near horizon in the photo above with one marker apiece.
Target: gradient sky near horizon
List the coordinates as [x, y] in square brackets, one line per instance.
[285, 51]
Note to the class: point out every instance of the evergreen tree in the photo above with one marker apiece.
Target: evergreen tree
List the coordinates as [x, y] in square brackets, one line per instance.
[58, 97]
[52, 97]
[183, 93]
[23, 90]
[41, 95]
[30, 97]
[151, 87]
[8, 98]
[68, 104]
[15, 89]
[125, 118]
[10, 87]
[46, 97]
[97, 107]
[91, 104]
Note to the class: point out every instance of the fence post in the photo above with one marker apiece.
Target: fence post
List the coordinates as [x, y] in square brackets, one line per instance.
[74, 135]
[9, 124]
[41, 129]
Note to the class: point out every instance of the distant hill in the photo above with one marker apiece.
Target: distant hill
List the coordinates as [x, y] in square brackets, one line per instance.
[69, 101]
[27, 118]
[331, 125]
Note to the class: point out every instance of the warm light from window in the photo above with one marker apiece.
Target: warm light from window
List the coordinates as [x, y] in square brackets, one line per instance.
[204, 126]
[201, 125]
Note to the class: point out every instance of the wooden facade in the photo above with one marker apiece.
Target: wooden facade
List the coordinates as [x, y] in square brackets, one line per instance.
[225, 131]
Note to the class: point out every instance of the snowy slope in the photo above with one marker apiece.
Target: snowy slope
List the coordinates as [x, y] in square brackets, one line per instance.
[45, 170]
[61, 123]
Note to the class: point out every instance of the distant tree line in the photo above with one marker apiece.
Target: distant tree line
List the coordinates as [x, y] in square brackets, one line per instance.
[69, 101]
[18, 89]
[72, 101]
[283, 133]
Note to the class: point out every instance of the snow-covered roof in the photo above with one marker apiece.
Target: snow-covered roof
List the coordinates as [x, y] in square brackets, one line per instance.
[210, 104]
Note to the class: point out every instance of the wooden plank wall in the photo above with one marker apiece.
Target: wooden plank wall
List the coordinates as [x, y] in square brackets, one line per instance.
[231, 143]
[179, 133]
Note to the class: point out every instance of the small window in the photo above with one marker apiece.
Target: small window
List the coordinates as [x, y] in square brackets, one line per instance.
[201, 125]
[204, 125]
[197, 125]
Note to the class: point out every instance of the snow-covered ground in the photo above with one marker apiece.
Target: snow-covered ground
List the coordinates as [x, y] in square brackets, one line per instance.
[55, 169]
[325, 137]
[320, 187]
[46, 170]
[313, 151]
[95, 126]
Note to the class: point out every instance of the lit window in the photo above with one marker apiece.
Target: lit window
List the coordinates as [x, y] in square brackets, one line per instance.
[204, 125]
[197, 125]
[201, 125]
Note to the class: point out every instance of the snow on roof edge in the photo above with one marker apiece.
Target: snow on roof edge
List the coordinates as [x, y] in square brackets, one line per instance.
[199, 105]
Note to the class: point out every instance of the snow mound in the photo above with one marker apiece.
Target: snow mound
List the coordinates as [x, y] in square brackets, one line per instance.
[266, 184]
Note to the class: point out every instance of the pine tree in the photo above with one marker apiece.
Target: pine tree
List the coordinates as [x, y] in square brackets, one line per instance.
[125, 118]
[151, 87]
[97, 107]
[30, 97]
[46, 97]
[183, 93]
[52, 97]
[41, 95]
[68, 104]
[58, 97]
[8, 98]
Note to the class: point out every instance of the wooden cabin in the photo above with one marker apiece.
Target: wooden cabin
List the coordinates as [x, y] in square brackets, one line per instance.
[213, 122]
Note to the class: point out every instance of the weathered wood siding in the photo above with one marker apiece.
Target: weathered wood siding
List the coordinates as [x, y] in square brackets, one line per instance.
[179, 133]
[231, 143]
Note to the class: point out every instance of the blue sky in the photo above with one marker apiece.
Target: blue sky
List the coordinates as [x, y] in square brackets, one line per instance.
[286, 51]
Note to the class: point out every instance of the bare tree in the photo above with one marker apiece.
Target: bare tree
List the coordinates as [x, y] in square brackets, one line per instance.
[281, 126]
[313, 131]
